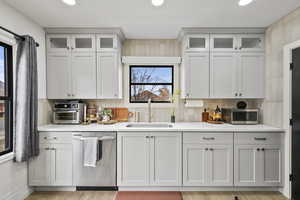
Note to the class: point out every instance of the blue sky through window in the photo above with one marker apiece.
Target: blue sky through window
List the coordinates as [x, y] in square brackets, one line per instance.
[152, 75]
[2, 64]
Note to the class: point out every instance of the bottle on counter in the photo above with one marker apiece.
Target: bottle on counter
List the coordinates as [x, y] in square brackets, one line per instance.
[205, 116]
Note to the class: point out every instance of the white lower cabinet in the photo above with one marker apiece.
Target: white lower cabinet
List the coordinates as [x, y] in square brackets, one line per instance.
[207, 163]
[53, 166]
[39, 168]
[258, 163]
[149, 159]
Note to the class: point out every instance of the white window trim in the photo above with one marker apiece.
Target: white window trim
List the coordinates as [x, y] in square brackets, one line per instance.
[7, 157]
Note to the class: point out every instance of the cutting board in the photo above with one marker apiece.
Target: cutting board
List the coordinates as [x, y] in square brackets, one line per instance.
[121, 114]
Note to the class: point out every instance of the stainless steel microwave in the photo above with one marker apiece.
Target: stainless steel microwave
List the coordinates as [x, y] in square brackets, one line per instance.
[240, 116]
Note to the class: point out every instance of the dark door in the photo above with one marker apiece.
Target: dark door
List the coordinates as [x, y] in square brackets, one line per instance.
[296, 125]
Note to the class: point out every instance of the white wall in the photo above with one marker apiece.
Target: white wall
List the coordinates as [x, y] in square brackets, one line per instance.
[279, 34]
[13, 184]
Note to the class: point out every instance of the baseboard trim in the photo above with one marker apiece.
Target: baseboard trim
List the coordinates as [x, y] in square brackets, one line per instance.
[200, 189]
[54, 189]
[19, 194]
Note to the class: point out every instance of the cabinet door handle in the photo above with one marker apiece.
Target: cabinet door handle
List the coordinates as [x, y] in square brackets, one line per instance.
[47, 149]
[208, 138]
[240, 48]
[54, 138]
[240, 94]
[211, 149]
[152, 137]
[53, 149]
[206, 149]
[147, 137]
[236, 94]
[260, 139]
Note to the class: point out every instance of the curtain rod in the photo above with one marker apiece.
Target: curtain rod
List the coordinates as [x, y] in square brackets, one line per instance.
[16, 35]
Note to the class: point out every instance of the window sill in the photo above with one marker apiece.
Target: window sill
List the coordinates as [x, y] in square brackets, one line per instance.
[6, 157]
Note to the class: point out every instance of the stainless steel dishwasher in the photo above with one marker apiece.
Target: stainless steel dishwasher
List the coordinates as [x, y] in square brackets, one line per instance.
[104, 174]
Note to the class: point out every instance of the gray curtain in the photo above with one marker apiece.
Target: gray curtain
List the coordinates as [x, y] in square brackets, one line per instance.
[26, 100]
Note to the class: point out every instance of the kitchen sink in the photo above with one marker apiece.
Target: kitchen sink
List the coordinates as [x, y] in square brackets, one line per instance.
[149, 125]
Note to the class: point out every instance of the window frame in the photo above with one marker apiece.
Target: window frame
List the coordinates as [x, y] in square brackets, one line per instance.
[8, 97]
[150, 66]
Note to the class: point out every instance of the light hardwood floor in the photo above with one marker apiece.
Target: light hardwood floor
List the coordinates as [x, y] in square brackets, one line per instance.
[95, 195]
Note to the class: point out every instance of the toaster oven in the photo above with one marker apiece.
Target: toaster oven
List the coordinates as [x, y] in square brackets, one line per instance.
[68, 113]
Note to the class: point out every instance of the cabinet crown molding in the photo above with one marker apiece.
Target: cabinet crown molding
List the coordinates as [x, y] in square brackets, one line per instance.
[215, 30]
[151, 60]
[74, 30]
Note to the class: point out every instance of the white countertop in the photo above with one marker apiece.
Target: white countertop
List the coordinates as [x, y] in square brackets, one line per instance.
[181, 126]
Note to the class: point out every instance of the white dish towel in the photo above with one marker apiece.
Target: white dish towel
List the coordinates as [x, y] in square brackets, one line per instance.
[90, 154]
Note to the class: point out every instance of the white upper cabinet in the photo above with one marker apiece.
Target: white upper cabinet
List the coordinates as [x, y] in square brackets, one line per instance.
[84, 43]
[223, 75]
[84, 66]
[251, 42]
[59, 75]
[197, 42]
[223, 42]
[251, 75]
[109, 75]
[107, 42]
[195, 75]
[58, 43]
[84, 75]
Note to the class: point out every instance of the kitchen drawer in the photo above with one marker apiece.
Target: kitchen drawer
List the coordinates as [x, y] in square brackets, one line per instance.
[55, 137]
[207, 138]
[257, 138]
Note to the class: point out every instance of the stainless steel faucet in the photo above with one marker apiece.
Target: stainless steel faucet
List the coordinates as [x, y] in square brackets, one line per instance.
[149, 110]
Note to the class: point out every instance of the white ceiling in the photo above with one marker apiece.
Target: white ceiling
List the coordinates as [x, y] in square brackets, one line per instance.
[139, 19]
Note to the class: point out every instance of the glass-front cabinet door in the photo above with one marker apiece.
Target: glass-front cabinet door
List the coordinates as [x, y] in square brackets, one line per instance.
[84, 43]
[107, 42]
[58, 43]
[251, 42]
[197, 42]
[223, 42]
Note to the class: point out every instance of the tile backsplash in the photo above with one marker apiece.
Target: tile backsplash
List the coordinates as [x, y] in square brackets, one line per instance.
[182, 113]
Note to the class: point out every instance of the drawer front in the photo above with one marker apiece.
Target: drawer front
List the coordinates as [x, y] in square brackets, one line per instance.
[207, 138]
[55, 137]
[257, 138]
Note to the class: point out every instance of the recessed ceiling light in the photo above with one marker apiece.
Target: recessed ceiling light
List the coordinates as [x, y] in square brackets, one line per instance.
[157, 2]
[245, 2]
[70, 2]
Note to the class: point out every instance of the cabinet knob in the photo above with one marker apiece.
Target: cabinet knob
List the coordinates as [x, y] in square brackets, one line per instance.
[236, 94]
[236, 48]
[147, 137]
[206, 149]
[68, 48]
[45, 138]
[152, 137]
[55, 138]
[211, 149]
[240, 94]
[240, 48]
[47, 149]
[258, 149]
[263, 149]
[68, 95]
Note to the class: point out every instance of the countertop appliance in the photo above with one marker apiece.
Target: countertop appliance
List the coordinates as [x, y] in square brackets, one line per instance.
[240, 116]
[68, 112]
[104, 174]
